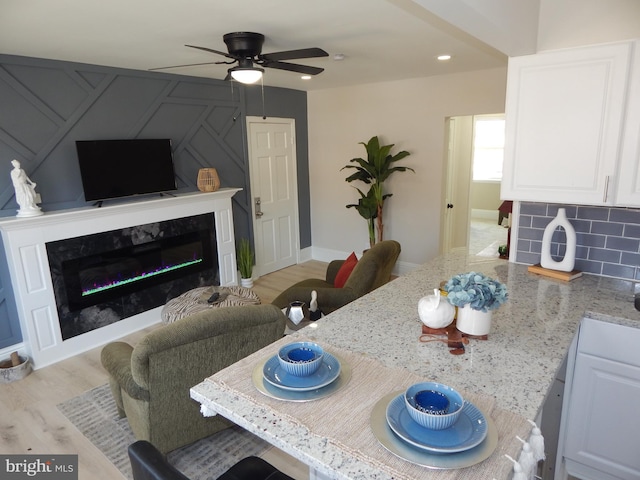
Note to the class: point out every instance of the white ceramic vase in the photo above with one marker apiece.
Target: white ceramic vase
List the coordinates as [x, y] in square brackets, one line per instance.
[246, 282]
[569, 260]
[473, 322]
[435, 311]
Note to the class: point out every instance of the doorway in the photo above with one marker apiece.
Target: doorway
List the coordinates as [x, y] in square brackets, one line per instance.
[273, 180]
[471, 222]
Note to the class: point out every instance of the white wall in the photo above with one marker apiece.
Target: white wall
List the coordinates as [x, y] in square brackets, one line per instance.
[485, 196]
[570, 23]
[411, 114]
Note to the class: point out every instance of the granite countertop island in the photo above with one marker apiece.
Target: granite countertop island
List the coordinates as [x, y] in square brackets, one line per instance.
[530, 334]
[516, 365]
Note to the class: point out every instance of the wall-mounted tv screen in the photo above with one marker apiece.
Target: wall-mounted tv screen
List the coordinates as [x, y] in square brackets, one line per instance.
[121, 168]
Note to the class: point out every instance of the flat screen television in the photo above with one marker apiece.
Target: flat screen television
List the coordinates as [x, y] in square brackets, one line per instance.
[121, 168]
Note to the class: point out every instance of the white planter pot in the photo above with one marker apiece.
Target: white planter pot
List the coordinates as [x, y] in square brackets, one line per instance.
[473, 322]
[246, 282]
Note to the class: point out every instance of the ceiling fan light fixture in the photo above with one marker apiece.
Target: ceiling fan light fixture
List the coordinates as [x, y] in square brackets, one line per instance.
[247, 76]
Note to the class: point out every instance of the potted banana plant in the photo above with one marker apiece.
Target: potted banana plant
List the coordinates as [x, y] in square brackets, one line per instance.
[367, 207]
[373, 171]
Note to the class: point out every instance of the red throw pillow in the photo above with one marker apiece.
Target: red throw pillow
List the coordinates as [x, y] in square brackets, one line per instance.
[345, 270]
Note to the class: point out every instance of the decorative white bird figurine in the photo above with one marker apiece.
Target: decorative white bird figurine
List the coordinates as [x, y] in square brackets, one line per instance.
[314, 312]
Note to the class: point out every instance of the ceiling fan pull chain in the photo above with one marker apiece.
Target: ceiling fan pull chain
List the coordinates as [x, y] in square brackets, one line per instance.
[264, 117]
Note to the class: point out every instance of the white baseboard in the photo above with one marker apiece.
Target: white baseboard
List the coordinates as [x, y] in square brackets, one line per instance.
[305, 254]
[402, 268]
[484, 214]
[327, 255]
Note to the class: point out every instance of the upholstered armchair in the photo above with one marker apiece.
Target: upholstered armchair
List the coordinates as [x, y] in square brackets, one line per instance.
[371, 271]
[150, 382]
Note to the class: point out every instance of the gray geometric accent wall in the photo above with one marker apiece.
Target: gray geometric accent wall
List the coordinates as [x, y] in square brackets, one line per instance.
[50, 105]
[10, 333]
[47, 105]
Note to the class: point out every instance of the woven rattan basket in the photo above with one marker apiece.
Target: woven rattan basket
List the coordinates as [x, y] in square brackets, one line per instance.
[208, 180]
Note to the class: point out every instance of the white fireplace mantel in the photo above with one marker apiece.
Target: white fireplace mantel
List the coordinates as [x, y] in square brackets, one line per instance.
[24, 244]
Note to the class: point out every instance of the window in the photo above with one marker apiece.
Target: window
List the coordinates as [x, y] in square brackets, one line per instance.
[488, 147]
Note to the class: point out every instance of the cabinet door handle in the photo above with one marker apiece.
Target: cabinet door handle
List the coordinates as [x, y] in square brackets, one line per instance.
[606, 189]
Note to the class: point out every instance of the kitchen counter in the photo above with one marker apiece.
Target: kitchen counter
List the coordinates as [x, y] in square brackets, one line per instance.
[529, 337]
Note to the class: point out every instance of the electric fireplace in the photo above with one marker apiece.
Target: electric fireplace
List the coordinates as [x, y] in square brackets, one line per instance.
[97, 278]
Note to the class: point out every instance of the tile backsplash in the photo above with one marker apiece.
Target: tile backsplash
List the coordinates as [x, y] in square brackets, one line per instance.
[608, 238]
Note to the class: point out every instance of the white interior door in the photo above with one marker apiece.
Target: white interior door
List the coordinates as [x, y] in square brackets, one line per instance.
[272, 167]
[447, 215]
[456, 216]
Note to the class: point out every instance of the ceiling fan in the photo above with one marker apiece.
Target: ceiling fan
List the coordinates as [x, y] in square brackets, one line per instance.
[246, 49]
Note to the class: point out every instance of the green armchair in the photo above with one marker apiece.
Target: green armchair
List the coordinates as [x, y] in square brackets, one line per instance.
[150, 382]
[372, 271]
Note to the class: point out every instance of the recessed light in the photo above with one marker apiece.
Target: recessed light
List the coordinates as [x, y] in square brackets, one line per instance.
[338, 57]
[443, 58]
[306, 77]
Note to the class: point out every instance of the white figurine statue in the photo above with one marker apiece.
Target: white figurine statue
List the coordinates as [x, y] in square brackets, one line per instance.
[25, 192]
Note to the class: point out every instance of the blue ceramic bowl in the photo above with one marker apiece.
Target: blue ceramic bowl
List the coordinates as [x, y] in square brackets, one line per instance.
[301, 358]
[432, 401]
[427, 407]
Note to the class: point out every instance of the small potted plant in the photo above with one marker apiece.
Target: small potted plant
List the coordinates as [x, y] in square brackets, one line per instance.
[475, 295]
[244, 256]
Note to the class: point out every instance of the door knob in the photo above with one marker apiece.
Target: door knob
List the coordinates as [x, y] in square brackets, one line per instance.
[449, 205]
[259, 212]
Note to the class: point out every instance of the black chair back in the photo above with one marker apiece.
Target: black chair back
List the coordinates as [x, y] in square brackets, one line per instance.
[148, 463]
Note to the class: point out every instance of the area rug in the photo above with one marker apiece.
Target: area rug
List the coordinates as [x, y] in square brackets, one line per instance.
[94, 413]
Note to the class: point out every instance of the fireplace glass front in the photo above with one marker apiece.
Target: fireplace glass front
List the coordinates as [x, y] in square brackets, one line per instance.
[102, 278]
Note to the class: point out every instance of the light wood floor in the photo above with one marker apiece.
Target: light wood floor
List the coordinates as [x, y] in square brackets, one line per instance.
[31, 423]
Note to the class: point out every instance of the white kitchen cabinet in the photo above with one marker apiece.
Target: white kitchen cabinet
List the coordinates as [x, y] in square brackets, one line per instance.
[628, 192]
[564, 116]
[601, 423]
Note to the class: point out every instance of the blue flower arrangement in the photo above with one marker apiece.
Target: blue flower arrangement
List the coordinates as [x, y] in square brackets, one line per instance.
[476, 289]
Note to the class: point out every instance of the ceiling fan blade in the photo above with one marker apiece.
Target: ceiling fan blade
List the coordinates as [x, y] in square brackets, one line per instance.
[293, 67]
[294, 54]
[186, 65]
[211, 50]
